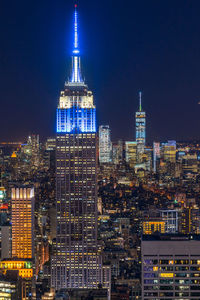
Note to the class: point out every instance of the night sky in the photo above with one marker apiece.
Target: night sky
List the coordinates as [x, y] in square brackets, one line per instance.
[126, 46]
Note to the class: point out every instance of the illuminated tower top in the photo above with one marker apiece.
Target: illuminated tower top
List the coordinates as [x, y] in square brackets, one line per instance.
[76, 111]
[76, 76]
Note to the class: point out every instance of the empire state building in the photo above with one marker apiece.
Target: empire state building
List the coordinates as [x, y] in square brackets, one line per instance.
[77, 262]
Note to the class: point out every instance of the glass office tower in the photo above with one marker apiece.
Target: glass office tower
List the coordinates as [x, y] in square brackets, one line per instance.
[105, 144]
[140, 125]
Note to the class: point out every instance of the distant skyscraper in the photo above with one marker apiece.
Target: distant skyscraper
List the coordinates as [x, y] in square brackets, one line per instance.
[77, 263]
[168, 151]
[118, 152]
[23, 222]
[131, 153]
[51, 144]
[140, 125]
[34, 145]
[105, 144]
[156, 155]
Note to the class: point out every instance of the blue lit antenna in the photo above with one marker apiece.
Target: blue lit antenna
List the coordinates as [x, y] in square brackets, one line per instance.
[76, 50]
[76, 65]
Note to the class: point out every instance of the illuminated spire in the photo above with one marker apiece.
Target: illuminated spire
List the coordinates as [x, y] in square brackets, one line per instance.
[76, 69]
[76, 50]
[140, 101]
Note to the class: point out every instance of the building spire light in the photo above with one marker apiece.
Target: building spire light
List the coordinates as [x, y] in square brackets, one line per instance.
[76, 76]
[76, 50]
[140, 101]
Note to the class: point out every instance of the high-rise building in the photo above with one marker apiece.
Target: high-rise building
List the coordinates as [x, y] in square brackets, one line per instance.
[170, 217]
[170, 267]
[168, 151]
[77, 262]
[9, 288]
[156, 155]
[152, 226]
[51, 144]
[118, 152]
[131, 153]
[34, 144]
[6, 241]
[105, 144]
[147, 158]
[23, 222]
[189, 221]
[17, 271]
[140, 125]
[189, 163]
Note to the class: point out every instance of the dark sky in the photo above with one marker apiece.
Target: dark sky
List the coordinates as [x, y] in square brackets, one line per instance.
[127, 46]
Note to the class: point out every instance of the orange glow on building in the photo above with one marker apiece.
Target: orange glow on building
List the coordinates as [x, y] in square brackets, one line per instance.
[14, 155]
[4, 207]
[149, 227]
[22, 222]
[24, 267]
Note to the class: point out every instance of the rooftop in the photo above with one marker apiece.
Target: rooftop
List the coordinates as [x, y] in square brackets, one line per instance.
[170, 237]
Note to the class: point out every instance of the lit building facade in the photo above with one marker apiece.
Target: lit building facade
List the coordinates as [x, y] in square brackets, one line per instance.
[189, 221]
[140, 125]
[131, 153]
[105, 144]
[51, 144]
[149, 227]
[171, 219]
[34, 145]
[77, 262]
[170, 267]
[2, 194]
[189, 163]
[23, 222]
[156, 155]
[118, 152]
[9, 289]
[24, 267]
[168, 151]
[21, 271]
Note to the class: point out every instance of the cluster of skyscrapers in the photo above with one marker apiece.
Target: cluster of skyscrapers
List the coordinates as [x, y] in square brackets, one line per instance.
[63, 238]
[76, 261]
[134, 150]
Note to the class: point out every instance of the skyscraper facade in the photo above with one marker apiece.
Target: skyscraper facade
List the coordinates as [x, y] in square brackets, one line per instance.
[140, 125]
[131, 153]
[156, 155]
[170, 267]
[23, 222]
[77, 262]
[171, 218]
[168, 151]
[33, 145]
[105, 144]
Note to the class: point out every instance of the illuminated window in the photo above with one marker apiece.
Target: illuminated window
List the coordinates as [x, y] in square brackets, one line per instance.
[166, 275]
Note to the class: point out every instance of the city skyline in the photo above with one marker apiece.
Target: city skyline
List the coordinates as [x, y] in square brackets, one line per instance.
[35, 61]
[93, 209]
